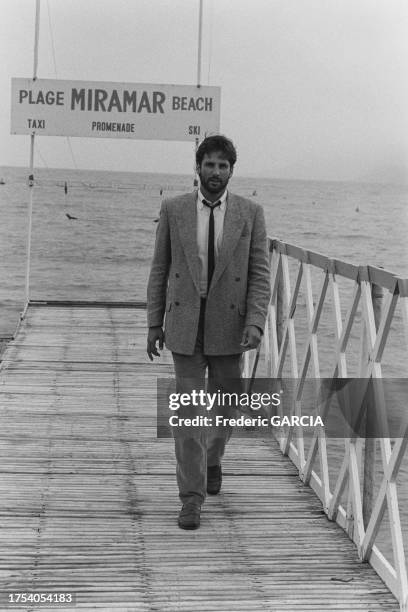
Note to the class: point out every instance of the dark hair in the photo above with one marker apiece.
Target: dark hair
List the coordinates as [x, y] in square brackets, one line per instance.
[211, 144]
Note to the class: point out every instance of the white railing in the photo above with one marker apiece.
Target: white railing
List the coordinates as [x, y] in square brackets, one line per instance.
[296, 340]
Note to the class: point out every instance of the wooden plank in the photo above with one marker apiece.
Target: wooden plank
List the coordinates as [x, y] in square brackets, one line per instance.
[88, 498]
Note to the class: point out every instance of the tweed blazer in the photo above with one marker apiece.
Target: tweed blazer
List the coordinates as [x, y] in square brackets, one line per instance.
[240, 287]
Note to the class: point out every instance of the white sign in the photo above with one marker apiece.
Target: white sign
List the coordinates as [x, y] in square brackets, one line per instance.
[48, 107]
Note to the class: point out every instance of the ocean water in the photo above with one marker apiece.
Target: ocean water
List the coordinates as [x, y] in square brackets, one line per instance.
[105, 252]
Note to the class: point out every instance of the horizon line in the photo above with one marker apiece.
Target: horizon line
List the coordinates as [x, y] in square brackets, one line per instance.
[243, 176]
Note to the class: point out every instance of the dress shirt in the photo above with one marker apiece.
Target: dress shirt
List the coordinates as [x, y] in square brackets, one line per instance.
[203, 217]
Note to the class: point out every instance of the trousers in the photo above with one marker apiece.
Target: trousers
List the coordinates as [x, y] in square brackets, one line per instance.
[201, 446]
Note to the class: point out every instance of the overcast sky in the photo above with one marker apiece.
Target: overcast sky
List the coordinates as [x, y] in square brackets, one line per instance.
[310, 89]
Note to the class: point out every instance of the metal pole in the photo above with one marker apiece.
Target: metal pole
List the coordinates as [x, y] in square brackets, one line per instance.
[36, 36]
[200, 36]
[31, 171]
[30, 219]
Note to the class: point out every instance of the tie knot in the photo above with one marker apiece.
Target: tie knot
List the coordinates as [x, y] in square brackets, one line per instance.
[211, 205]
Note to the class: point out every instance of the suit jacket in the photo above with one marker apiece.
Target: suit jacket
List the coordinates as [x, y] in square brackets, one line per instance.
[240, 287]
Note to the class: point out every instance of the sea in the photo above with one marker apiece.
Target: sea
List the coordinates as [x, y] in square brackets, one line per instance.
[105, 252]
[93, 234]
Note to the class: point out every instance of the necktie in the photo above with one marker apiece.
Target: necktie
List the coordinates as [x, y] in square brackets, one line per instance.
[211, 252]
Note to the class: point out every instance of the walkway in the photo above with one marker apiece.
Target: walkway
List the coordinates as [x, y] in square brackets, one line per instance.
[88, 499]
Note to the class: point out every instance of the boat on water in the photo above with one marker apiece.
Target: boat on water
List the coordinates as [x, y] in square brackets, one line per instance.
[2, 181]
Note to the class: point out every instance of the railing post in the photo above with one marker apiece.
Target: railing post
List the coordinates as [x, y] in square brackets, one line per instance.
[280, 310]
[369, 473]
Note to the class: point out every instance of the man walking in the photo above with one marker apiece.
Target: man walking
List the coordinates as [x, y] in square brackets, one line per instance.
[209, 284]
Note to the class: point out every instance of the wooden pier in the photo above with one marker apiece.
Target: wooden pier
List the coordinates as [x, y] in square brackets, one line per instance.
[89, 502]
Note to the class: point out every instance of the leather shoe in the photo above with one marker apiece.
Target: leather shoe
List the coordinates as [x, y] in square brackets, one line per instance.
[189, 516]
[214, 479]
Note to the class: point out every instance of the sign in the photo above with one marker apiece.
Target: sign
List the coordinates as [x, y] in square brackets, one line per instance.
[48, 107]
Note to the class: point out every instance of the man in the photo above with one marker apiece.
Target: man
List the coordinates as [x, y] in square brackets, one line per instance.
[209, 280]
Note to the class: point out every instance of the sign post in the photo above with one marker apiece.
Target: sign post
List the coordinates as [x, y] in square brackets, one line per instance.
[200, 36]
[31, 171]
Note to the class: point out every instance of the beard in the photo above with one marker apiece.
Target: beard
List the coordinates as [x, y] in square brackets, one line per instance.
[213, 185]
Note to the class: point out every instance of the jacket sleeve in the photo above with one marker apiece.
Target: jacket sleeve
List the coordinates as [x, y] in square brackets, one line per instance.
[159, 271]
[258, 287]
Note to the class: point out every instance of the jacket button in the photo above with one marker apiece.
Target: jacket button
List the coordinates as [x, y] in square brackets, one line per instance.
[232, 306]
[177, 303]
[177, 275]
[238, 278]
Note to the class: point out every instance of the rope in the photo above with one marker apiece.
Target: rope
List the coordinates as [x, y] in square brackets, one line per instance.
[56, 76]
[40, 155]
[52, 39]
[72, 153]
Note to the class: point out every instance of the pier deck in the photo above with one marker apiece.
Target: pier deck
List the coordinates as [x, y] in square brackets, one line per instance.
[89, 503]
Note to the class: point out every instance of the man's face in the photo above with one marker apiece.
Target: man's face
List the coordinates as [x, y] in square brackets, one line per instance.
[215, 172]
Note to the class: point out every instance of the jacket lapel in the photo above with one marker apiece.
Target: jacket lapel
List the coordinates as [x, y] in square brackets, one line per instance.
[187, 228]
[233, 225]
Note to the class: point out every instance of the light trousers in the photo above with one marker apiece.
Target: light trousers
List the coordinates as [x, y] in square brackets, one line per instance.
[200, 446]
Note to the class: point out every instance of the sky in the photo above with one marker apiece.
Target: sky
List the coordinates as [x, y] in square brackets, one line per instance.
[310, 89]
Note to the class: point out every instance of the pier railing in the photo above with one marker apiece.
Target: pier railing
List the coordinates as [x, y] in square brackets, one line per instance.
[328, 318]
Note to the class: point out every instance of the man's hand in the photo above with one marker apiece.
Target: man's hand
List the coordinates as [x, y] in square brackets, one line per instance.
[251, 337]
[155, 334]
